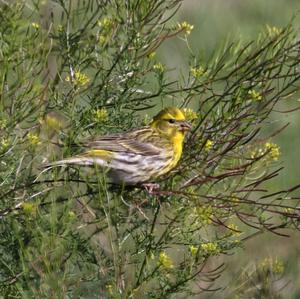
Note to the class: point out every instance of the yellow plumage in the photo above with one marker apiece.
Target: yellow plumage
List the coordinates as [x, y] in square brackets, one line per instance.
[138, 156]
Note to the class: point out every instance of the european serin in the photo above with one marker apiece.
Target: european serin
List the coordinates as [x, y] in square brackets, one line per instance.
[138, 156]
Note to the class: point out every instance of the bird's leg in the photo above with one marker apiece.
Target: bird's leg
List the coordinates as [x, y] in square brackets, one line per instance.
[151, 187]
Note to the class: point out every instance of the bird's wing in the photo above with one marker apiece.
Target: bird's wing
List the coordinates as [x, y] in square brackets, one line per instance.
[128, 143]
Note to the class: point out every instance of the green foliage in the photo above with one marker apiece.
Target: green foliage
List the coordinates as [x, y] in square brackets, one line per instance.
[75, 69]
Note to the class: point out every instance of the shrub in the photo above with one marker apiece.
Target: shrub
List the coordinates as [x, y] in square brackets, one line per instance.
[75, 69]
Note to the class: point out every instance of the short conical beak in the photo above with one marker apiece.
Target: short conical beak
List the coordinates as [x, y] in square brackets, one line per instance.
[185, 126]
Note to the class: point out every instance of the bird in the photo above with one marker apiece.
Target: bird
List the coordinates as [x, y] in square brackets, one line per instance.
[139, 156]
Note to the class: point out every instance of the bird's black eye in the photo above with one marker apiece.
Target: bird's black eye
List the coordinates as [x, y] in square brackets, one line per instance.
[171, 121]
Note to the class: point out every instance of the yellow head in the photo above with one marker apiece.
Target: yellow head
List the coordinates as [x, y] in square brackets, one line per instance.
[171, 123]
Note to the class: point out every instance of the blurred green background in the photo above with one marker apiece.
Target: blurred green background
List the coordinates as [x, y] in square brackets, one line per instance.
[216, 21]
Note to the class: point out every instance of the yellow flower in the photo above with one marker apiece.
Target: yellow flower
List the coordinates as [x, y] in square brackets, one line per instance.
[102, 39]
[193, 250]
[234, 230]
[165, 261]
[275, 265]
[210, 248]
[278, 266]
[106, 23]
[72, 215]
[185, 26]
[29, 208]
[256, 153]
[5, 142]
[208, 145]
[80, 79]
[35, 25]
[190, 114]
[274, 150]
[109, 288]
[101, 115]
[288, 210]
[197, 72]
[33, 139]
[152, 55]
[3, 124]
[235, 199]
[159, 67]
[205, 214]
[254, 95]
[273, 31]
[51, 122]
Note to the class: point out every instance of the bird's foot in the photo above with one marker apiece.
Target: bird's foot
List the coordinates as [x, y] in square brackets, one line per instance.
[151, 187]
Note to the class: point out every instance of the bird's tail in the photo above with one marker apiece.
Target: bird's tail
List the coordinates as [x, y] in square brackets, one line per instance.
[77, 160]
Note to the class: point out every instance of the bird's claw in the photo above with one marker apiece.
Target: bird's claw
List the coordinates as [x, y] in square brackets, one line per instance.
[151, 187]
